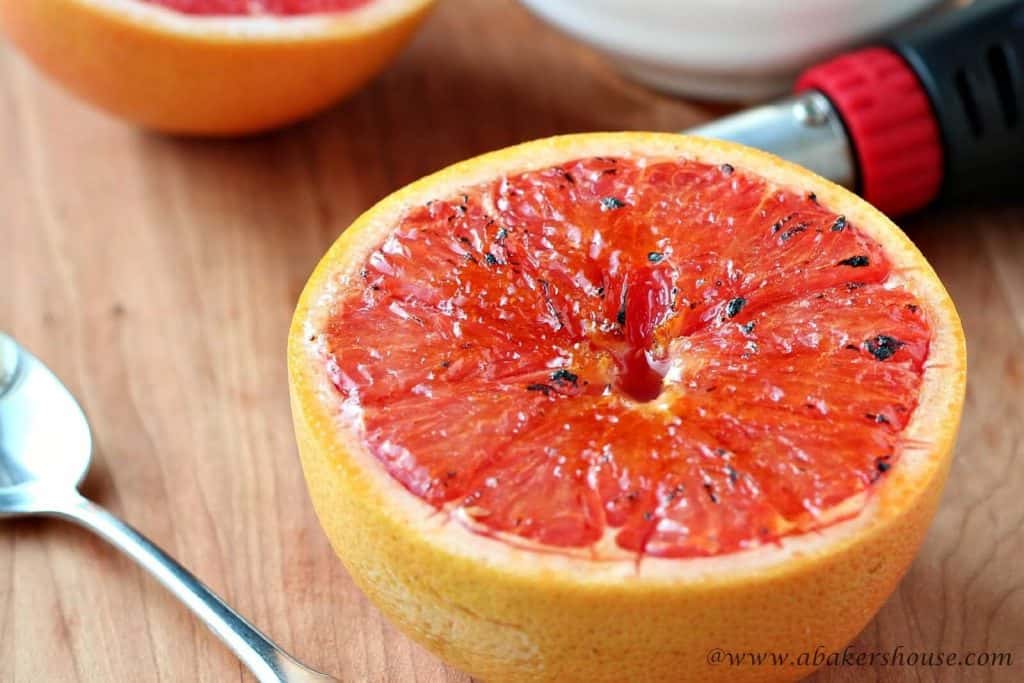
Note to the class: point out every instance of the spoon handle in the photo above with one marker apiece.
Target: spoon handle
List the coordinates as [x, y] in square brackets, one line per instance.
[268, 662]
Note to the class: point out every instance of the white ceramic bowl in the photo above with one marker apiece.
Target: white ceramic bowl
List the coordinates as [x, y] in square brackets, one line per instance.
[723, 49]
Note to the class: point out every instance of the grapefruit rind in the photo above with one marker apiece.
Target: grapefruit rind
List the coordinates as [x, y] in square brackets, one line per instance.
[511, 613]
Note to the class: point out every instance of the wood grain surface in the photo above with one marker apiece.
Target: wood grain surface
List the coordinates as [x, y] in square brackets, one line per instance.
[157, 276]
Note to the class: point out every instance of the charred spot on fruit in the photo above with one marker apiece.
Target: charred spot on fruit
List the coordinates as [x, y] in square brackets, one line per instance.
[611, 203]
[655, 256]
[726, 169]
[839, 224]
[734, 306]
[882, 346]
[710, 490]
[795, 230]
[779, 224]
[855, 261]
[882, 465]
[542, 388]
[673, 493]
[563, 375]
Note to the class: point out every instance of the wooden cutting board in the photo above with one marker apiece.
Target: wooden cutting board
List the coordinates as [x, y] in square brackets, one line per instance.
[157, 277]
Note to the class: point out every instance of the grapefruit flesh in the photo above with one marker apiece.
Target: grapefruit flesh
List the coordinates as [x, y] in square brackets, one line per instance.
[629, 357]
[259, 7]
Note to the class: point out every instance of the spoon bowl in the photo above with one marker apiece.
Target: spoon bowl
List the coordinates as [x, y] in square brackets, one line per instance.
[44, 454]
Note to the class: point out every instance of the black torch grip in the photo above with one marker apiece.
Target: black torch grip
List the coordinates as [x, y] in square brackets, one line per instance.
[971, 63]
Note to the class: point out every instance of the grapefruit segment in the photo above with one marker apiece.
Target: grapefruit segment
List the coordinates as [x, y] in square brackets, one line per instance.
[588, 408]
[531, 317]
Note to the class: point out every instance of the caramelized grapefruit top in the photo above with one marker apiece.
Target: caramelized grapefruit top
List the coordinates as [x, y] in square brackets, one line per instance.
[259, 7]
[649, 356]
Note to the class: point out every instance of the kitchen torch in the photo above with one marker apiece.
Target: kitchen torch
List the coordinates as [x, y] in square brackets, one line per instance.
[932, 112]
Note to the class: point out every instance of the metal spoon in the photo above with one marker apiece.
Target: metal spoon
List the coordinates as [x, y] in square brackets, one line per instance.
[45, 448]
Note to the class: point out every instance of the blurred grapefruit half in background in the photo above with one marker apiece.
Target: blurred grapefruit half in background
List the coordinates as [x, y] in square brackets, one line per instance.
[211, 67]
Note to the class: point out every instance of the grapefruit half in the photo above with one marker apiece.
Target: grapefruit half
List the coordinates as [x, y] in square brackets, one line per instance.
[211, 67]
[595, 407]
